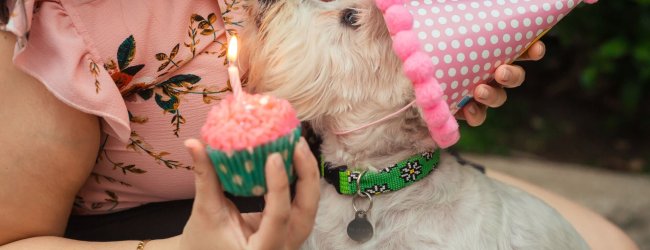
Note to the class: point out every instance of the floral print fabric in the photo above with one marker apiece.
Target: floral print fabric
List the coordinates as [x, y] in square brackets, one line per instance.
[150, 70]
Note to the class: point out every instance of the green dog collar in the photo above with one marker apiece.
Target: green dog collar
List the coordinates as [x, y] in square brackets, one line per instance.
[396, 177]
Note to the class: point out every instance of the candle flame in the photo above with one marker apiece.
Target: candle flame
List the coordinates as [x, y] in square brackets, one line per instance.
[232, 49]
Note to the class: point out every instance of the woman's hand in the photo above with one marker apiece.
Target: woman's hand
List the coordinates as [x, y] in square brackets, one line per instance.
[216, 223]
[494, 95]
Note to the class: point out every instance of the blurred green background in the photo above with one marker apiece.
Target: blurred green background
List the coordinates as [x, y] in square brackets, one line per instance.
[587, 100]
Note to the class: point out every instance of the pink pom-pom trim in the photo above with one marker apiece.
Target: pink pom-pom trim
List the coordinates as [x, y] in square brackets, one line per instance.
[448, 126]
[447, 140]
[405, 43]
[418, 67]
[397, 19]
[436, 116]
[384, 4]
[428, 94]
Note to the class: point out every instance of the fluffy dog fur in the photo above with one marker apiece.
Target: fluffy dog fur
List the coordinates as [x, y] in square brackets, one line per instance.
[339, 77]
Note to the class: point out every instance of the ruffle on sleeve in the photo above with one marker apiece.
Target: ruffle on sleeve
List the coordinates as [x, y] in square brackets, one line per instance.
[53, 50]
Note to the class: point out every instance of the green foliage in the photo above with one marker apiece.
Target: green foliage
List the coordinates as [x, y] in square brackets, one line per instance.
[588, 100]
[612, 41]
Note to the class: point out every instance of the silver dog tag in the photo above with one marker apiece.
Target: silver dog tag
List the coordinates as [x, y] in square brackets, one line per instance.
[360, 229]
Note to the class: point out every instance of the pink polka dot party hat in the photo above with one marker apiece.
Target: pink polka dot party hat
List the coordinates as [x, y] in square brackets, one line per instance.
[450, 46]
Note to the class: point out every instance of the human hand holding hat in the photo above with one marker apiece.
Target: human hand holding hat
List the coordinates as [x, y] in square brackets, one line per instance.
[493, 94]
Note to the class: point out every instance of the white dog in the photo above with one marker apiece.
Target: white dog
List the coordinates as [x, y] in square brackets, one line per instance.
[334, 62]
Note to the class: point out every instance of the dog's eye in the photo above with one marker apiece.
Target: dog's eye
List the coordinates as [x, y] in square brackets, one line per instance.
[349, 17]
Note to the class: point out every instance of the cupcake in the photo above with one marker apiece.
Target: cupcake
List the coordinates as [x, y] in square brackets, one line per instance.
[241, 132]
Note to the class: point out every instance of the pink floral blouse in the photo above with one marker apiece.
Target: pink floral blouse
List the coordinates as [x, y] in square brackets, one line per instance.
[151, 70]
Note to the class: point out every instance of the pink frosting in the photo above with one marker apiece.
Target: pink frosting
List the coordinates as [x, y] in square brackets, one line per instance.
[247, 122]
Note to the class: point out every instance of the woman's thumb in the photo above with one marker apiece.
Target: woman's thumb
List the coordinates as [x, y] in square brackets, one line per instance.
[209, 193]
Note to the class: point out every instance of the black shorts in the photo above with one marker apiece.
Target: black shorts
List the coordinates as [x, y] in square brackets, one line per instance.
[150, 221]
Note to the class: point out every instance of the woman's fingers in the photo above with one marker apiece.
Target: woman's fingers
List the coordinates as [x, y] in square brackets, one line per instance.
[209, 198]
[510, 76]
[307, 186]
[473, 113]
[252, 220]
[489, 95]
[212, 211]
[305, 203]
[534, 53]
[506, 76]
[273, 228]
[285, 224]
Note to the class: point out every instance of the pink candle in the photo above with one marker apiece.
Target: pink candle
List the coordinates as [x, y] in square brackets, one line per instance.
[233, 71]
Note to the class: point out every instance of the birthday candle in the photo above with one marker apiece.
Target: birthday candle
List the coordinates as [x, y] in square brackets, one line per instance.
[233, 71]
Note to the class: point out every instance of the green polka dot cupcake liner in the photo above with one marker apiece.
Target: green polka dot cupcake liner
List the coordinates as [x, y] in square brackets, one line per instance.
[241, 172]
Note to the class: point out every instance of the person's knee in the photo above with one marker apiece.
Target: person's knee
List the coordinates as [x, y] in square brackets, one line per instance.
[606, 236]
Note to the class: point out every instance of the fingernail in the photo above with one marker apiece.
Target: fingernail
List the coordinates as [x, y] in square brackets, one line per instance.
[482, 93]
[505, 75]
[471, 109]
[540, 48]
[189, 147]
[276, 160]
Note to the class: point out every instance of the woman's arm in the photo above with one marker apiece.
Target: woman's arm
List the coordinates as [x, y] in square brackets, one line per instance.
[47, 152]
